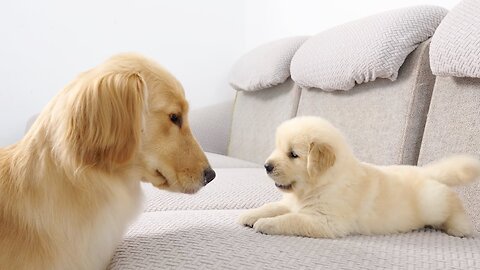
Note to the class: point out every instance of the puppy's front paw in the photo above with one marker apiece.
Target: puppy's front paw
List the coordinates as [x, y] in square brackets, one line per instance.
[459, 229]
[267, 226]
[248, 218]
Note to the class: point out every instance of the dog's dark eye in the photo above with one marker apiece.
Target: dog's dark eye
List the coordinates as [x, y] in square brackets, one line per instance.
[176, 119]
[292, 154]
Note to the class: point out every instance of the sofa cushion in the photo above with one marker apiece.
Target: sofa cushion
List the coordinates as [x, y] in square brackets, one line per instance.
[455, 49]
[213, 240]
[256, 116]
[382, 120]
[232, 189]
[221, 161]
[363, 50]
[453, 127]
[265, 66]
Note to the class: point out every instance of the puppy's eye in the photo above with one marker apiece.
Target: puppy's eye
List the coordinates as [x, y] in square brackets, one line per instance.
[176, 119]
[292, 154]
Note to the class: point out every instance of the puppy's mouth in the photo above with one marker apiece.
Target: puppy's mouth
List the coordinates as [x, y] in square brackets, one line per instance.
[283, 187]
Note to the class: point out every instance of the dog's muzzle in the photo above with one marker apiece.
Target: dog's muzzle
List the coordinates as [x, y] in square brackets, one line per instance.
[269, 167]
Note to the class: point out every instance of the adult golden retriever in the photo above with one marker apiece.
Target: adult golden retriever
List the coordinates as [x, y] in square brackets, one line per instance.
[70, 187]
[329, 193]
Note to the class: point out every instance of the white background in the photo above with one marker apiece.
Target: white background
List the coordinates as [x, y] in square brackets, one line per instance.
[44, 44]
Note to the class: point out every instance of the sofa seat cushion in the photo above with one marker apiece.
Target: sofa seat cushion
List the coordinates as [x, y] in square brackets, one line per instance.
[221, 161]
[231, 189]
[266, 65]
[211, 239]
[455, 49]
[363, 50]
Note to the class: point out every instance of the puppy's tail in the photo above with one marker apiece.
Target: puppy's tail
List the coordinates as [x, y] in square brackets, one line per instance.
[455, 170]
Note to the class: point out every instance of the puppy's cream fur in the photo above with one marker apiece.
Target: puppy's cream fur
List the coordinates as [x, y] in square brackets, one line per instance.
[71, 186]
[329, 193]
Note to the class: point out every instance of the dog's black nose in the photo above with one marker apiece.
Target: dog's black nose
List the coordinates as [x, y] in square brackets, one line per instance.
[269, 167]
[208, 175]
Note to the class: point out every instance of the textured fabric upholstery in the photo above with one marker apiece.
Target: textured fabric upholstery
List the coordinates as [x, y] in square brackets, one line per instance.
[213, 240]
[256, 116]
[382, 120]
[455, 49]
[453, 127]
[363, 50]
[266, 65]
[232, 189]
[211, 126]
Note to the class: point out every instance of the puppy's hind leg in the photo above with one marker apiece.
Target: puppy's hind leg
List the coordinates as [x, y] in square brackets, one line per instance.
[268, 210]
[442, 209]
[457, 222]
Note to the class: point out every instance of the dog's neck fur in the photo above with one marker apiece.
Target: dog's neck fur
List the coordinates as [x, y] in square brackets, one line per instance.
[44, 193]
[34, 163]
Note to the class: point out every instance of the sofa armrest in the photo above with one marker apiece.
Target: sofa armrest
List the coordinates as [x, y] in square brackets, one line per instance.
[211, 126]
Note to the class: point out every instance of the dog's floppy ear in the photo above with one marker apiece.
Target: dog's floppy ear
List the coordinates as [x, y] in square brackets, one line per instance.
[107, 117]
[320, 157]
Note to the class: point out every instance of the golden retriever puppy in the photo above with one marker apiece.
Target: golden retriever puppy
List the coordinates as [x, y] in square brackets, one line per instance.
[71, 186]
[328, 193]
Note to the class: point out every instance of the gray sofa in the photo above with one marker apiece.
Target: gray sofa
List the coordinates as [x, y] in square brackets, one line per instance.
[373, 79]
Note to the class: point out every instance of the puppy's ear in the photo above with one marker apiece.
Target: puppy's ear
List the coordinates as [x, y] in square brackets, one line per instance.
[320, 157]
[107, 118]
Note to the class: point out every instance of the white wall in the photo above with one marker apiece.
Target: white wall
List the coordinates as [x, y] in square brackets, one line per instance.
[273, 19]
[46, 43]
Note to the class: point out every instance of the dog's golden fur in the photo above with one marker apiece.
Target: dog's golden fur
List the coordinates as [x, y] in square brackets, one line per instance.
[329, 193]
[71, 186]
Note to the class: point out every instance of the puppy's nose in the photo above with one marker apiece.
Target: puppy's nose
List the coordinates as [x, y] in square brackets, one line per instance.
[269, 167]
[208, 176]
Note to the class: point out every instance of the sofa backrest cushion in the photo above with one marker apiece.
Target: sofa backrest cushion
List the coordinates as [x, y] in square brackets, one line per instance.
[266, 65]
[382, 120]
[453, 127]
[455, 49]
[453, 122]
[256, 116]
[363, 50]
